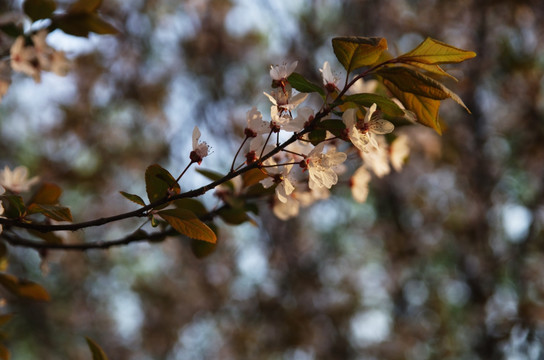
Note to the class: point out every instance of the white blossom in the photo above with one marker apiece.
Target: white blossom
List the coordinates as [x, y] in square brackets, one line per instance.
[320, 166]
[24, 59]
[330, 80]
[280, 177]
[32, 59]
[399, 152]
[282, 72]
[286, 210]
[361, 132]
[359, 184]
[17, 180]
[283, 105]
[284, 101]
[255, 123]
[376, 158]
[200, 149]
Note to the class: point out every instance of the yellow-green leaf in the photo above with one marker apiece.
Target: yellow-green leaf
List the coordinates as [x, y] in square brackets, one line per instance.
[84, 6]
[134, 198]
[414, 82]
[187, 223]
[96, 350]
[23, 288]
[158, 182]
[48, 194]
[192, 205]
[354, 52]
[432, 51]
[433, 69]
[39, 9]
[55, 212]
[425, 109]
[253, 177]
[386, 105]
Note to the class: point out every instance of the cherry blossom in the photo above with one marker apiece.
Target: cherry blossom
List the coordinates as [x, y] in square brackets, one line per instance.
[282, 72]
[200, 149]
[359, 184]
[330, 80]
[24, 59]
[280, 177]
[320, 166]
[17, 180]
[399, 152]
[286, 210]
[283, 104]
[361, 132]
[255, 123]
[376, 158]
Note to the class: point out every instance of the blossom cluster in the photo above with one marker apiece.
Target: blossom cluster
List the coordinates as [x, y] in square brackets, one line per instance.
[32, 59]
[15, 182]
[303, 173]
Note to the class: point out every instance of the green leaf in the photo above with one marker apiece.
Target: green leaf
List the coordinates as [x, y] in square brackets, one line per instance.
[336, 127]
[80, 24]
[234, 216]
[408, 80]
[24, 288]
[214, 176]
[96, 350]
[386, 105]
[301, 84]
[317, 136]
[134, 198]
[158, 181]
[48, 194]
[425, 109]
[433, 52]
[192, 205]
[39, 9]
[354, 52]
[12, 29]
[201, 249]
[55, 212]
[187, 223]
[84, 6]
[16, 206]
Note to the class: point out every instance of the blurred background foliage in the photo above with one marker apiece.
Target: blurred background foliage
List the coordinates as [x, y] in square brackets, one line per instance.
[444, 261]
